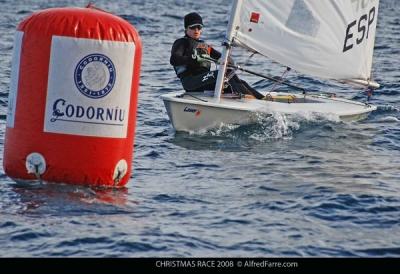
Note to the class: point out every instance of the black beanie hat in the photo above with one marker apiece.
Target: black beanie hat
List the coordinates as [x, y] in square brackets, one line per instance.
[193, 19]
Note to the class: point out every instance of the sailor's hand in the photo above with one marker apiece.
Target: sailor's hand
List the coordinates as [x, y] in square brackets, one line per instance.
[200, 57]
[204, 57]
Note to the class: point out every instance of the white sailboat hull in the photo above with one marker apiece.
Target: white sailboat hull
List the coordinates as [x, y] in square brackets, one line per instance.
[197, 112]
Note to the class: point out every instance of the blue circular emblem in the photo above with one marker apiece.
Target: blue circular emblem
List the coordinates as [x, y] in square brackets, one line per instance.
[95, 75]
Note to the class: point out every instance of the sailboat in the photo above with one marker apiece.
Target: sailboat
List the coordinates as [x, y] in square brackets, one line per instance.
[329, 39]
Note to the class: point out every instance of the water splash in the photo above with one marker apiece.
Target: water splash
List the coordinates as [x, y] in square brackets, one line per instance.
[221, 130]
[267, 127]
[275, 126]
[281, 126]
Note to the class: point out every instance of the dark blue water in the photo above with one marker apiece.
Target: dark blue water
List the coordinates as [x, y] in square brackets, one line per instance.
[304, 186]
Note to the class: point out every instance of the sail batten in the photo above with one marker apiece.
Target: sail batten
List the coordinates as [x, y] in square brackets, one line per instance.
[331, 39]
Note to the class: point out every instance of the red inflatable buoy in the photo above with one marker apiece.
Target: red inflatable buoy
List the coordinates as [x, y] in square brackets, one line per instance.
[73, 98]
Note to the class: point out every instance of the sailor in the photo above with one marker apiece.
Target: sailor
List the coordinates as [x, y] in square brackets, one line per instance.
[191, 58]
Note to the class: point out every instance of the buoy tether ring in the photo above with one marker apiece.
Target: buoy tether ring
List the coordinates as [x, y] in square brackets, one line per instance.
[120, 171]
[35, 164]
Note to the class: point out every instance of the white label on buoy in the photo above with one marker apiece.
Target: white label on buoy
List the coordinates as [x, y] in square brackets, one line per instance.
[12, 95]
[89, 87]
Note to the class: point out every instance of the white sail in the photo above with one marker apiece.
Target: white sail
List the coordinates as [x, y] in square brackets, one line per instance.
[326, 38]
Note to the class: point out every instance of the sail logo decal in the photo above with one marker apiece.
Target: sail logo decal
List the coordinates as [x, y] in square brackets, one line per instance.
[95, 76]
[255, 17]
[196, 112]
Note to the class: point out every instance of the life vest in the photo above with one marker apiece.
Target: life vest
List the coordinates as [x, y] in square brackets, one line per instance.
[201, 48]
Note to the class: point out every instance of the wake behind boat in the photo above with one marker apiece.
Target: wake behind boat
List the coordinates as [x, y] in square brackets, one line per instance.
[332, 39]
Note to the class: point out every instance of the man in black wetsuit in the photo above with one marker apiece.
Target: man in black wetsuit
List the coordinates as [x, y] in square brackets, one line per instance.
[190, 59]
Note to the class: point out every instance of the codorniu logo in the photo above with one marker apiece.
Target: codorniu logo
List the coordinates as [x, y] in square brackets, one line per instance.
[95, 76]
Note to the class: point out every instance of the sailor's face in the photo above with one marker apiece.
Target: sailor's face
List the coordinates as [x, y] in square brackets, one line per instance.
[194, 32]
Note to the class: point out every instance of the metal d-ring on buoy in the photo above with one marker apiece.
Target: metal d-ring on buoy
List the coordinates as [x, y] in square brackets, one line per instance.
[35, 164]
[120, 171]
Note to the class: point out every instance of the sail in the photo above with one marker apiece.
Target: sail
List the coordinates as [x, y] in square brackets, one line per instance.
[326, 38]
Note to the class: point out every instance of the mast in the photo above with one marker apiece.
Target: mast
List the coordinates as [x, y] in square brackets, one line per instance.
[227, 48]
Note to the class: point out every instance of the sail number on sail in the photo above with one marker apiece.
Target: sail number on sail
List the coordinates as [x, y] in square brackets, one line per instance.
[364, 23]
